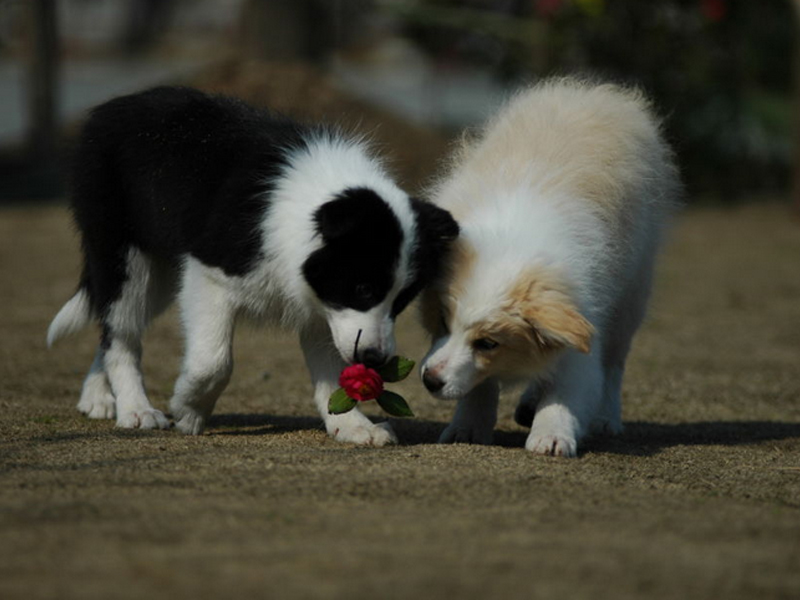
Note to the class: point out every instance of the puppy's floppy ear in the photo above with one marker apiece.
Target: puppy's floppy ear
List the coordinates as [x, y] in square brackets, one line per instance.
[434, 221]
[561, 325]
[550, 314]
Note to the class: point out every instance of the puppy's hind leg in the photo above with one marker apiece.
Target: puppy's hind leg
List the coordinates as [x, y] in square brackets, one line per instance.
[623, 324]
[97, 400]
[124, 323]
[475, 417]
[208, 316]
[324, 365]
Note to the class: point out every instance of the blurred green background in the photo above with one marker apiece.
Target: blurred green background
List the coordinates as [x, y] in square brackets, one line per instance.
[720, 71]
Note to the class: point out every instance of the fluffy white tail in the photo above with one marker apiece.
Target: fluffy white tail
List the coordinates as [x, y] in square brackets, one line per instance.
[73, 316]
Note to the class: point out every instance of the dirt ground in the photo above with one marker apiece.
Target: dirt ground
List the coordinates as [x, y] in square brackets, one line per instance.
[699, 498]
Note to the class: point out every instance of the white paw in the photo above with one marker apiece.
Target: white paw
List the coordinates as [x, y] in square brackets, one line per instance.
[190, 422]
[149, 418]
[97, 401]
[98, 407]
[552, 445]
[464, 434]
[364, 433]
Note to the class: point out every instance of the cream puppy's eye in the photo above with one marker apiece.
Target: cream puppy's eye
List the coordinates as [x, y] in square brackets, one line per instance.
[484, 344]
[443, 323]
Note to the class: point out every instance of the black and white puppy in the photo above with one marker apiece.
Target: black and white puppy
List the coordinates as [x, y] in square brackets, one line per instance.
[236, 211]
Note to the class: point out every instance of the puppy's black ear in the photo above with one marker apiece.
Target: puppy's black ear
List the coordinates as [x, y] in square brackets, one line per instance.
[337, 218]
[435, 221]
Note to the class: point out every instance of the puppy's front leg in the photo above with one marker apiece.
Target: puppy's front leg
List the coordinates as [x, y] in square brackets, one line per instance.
[475, 417]
[568, 406]
[208, 319]
[324, 365]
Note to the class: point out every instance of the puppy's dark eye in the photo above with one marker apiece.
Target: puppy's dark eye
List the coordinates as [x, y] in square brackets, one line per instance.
[364, 291]
[484, 344]
[443, 324]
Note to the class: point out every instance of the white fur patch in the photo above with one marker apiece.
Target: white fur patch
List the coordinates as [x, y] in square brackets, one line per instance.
[73, 316]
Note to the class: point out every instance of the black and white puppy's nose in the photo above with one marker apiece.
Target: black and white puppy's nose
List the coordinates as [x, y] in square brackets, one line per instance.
[432, 382]
[372, 358]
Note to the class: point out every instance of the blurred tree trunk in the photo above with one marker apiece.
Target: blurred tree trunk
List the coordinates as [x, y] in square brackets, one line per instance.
[796, 170]
[42, 53]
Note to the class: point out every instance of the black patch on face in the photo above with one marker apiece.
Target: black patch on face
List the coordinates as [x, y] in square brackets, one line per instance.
[355, 267]
[436, 230]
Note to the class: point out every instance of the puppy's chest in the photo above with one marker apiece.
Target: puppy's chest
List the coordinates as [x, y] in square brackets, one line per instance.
[259, 293]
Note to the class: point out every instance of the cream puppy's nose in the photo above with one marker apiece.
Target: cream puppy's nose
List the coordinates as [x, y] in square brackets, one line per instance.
[432, 382]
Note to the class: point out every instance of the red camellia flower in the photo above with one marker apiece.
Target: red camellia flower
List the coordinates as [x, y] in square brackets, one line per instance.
[361, 383]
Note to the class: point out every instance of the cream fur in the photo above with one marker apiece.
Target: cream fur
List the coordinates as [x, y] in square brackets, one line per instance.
[562, 200]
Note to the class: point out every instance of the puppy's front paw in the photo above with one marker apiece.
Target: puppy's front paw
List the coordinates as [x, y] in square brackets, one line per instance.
[97, 401]
[98, 406]
[355, 428]
[143, 419]
[552, 445]
[380, 434]
[456, 433]
[190, 421]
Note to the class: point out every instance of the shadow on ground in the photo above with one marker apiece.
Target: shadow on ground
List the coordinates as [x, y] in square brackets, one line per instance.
[259, 424]
[638, 439]
[648, 439]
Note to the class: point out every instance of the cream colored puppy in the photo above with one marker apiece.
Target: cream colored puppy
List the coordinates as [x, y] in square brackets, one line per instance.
[561, 199]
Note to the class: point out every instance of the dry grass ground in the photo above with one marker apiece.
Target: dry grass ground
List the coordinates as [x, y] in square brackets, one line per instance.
[700, 498]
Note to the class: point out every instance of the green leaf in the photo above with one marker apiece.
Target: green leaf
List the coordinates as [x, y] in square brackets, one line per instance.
[394, 404]
[340, 402]
[397, 369]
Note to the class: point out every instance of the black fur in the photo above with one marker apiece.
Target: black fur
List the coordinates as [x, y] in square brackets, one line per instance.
[436, 230]
[173, 171]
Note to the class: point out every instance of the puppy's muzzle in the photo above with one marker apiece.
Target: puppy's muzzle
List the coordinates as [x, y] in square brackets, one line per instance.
[372, 357]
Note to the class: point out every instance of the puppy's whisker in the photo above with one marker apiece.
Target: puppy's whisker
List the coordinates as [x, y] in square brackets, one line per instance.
[355, 350]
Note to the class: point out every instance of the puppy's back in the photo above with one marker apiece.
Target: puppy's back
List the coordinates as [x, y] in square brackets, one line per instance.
[173, 170]
[598, 142]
